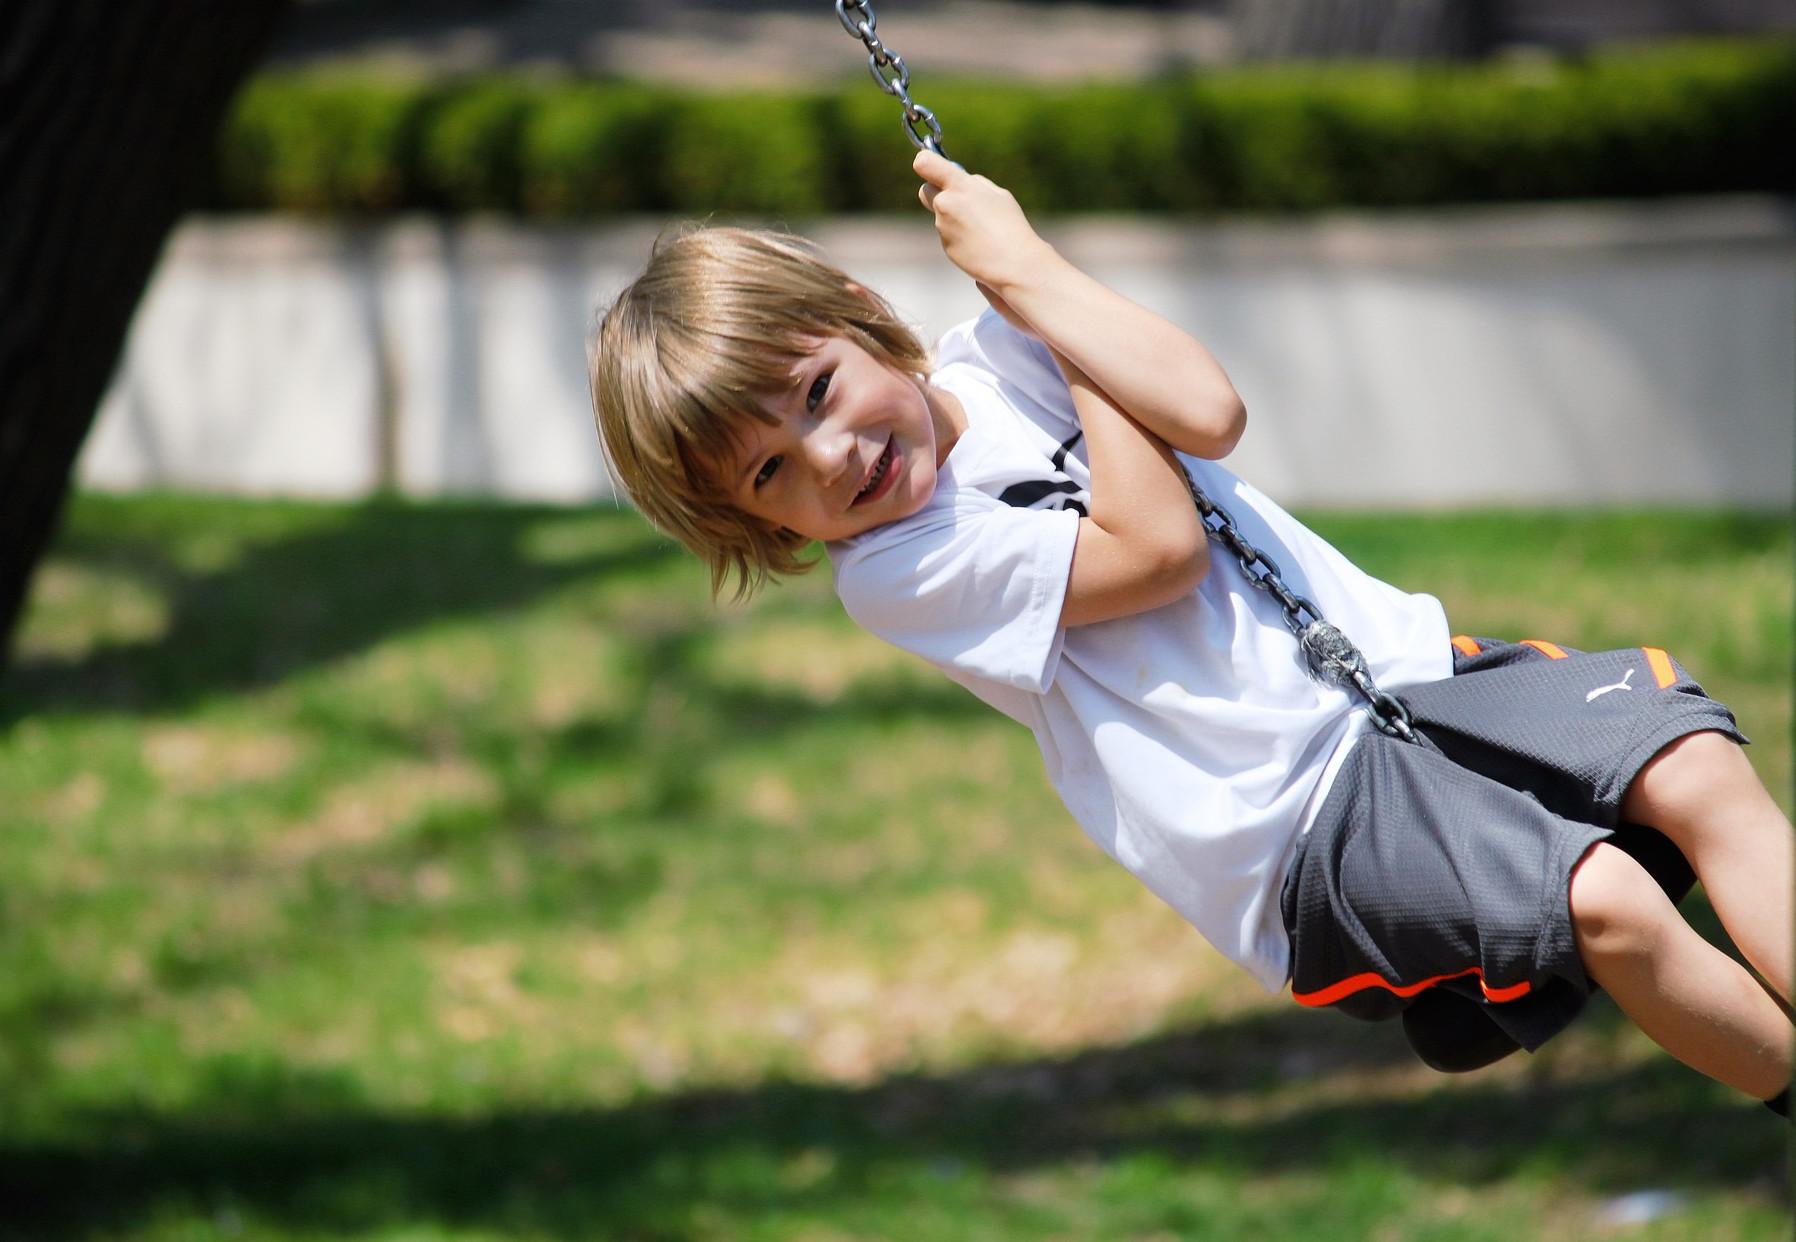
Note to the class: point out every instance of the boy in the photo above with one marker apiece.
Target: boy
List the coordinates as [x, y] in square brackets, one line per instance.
[1021, 516]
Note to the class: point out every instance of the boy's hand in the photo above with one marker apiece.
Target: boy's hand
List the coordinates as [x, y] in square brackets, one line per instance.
[1150, 370]
[982, 229]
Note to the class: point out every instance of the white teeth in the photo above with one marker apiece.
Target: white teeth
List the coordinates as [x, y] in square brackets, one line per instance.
[879, 471]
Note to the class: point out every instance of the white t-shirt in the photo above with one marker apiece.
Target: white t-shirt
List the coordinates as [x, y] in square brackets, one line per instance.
[1188, 741]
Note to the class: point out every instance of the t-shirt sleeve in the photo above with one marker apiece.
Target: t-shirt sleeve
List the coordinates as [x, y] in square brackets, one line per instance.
[1021, 368]
[974, 587]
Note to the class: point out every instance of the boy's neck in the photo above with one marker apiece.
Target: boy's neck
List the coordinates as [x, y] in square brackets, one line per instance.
[950, 419]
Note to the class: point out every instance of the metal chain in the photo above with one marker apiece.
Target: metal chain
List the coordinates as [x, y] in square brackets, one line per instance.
[1331, 656]
[889, 71]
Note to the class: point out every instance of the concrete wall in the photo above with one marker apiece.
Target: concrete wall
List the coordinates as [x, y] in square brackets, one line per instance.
[1635, 353]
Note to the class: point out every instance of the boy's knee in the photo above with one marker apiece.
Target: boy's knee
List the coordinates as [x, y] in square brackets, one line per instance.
[1617, 908]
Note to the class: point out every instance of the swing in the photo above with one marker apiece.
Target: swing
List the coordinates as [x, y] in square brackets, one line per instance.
[1449, 1032]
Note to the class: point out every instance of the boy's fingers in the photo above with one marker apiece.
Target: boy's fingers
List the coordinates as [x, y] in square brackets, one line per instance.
[938, 170]
[927, 193]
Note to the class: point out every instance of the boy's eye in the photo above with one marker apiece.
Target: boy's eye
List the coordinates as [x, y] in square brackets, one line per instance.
[767, 470]
[819, 386]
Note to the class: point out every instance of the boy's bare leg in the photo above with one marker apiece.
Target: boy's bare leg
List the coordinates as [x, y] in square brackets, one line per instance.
[1701, 792]
[1692, 999]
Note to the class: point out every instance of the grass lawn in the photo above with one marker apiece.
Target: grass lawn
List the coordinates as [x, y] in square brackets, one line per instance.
[456, 871]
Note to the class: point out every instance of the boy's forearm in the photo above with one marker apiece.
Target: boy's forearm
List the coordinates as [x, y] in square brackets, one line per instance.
[1154, 371]
[1138, 489]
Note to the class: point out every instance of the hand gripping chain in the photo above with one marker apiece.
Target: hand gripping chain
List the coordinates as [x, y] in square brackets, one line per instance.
[889, 71]
[1331, 656]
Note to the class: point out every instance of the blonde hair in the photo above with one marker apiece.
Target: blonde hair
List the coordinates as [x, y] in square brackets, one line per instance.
[715, 325]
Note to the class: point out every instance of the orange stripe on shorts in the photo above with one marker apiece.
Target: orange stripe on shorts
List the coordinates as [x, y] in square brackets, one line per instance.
[1660, 663]
[1467, 646]
[1359, 983]
[1545, 648]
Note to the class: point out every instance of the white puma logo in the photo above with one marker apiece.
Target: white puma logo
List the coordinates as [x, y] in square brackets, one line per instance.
[1602, 690]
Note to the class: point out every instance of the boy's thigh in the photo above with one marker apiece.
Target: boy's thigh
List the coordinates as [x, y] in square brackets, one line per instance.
[1571, 727]
[1420, 877]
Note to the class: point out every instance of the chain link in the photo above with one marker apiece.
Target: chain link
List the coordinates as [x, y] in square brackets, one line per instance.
[1331, 656]
[888, 69]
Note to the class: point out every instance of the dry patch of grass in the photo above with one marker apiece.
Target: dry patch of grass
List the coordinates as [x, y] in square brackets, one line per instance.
[190, 758]
[815, 656]
[478, 996]
[373, 808]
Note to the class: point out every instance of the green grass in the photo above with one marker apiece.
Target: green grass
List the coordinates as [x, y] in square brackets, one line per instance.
[458, 871]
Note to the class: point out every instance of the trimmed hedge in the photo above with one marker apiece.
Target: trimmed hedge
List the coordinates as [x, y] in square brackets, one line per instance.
[1683, 119]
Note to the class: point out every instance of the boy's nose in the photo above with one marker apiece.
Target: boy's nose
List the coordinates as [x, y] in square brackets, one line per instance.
[829, 451]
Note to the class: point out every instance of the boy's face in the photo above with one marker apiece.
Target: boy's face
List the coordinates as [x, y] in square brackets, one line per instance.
[855, 444]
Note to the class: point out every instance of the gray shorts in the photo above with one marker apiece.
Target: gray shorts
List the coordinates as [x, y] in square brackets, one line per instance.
[1442, 871]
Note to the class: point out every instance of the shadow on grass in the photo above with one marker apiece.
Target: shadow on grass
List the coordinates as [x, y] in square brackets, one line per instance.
[582, 869]
[1240, 1098]
[339, 583]
[332, 589]
[294, 603]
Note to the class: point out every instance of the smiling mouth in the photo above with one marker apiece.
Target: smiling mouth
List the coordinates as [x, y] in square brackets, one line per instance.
[875, 484]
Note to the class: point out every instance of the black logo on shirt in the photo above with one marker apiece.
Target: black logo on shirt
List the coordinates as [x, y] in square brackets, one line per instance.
[1056, 492]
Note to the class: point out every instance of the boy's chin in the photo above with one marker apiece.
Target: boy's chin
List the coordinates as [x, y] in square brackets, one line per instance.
[917, 488]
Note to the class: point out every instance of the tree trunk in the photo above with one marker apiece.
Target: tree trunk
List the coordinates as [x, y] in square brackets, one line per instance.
[108, 111]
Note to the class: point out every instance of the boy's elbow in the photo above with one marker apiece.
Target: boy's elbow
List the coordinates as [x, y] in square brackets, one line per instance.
[1237, 420]
[1210, 428]
[1180, 558]
[1227, 425]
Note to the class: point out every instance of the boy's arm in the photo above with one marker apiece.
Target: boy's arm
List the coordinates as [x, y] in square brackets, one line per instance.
[1154, 371]
[1143, 544]
[1162, 376]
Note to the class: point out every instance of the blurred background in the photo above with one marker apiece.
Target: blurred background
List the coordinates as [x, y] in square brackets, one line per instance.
[399, 842]
[455, 190]
[779, 41]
